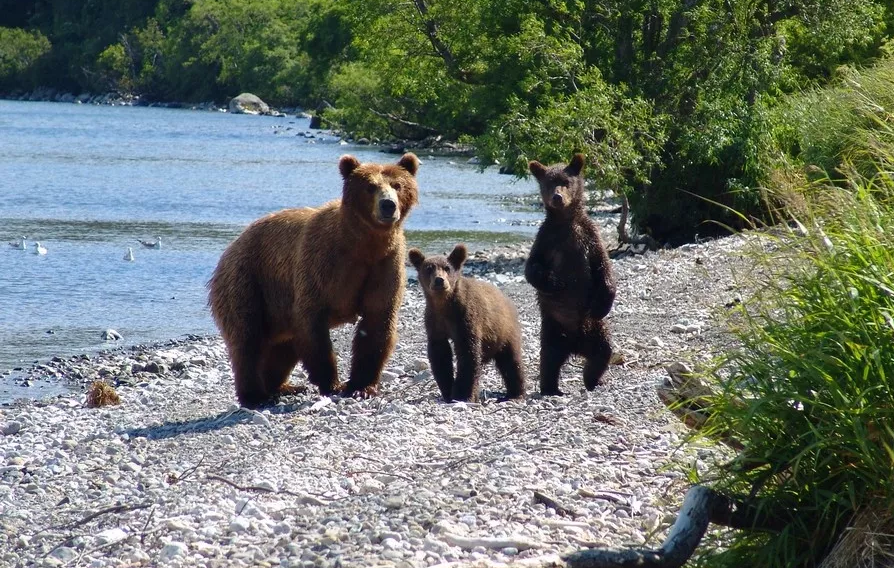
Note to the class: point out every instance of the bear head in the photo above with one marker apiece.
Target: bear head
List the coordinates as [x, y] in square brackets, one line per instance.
[379, 195]
[561, 186]
[439, 275]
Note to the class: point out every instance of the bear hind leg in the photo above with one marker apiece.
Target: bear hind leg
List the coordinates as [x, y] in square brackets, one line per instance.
[554, 351]
[598, 353]
[277, 365]
[251, 390]
[509, 364]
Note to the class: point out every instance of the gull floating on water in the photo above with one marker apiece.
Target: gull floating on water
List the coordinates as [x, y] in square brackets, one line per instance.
[150, 244]
[129, 255]
[39, 248]
[19, 244]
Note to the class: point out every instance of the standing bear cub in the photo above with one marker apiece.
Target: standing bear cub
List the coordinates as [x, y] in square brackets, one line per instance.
[570, 269]
[477, 317]
[293, 275]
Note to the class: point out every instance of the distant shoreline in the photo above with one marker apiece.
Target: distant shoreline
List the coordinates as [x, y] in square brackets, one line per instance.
[113, 98]
[432, 146]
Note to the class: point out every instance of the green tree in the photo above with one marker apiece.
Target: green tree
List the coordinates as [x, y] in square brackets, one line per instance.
[686, 84]
[19, 50]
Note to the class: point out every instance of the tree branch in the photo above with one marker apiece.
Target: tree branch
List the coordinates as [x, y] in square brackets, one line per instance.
[441, 48]
[403, 121]
[624, 237]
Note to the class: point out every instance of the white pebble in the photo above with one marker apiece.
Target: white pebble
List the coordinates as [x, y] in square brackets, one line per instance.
[171, 551]
[240, 525]
[109, 536]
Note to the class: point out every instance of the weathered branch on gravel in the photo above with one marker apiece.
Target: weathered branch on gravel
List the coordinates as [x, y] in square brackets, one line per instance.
[688, 397]
[174, 478]
[307, 499]
[87, 519]
[624, 237]
[610, 496]
[468, 543]
[553, 504]
[101, 512]
[701, 507]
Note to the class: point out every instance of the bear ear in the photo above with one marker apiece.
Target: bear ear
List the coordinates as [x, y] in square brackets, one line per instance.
[347, 164]
[577, 165]
[457, 256]
[409, 162]
[538, 169]
[416, 257]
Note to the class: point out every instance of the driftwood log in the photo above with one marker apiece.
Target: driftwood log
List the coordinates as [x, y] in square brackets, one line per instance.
[687, 396]
[624, 237]
[701, 507]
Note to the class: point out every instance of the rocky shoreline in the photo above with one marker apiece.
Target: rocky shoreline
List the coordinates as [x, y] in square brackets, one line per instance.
[432, 145]
[178, 475]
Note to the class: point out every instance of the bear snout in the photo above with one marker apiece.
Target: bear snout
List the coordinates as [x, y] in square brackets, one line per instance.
[558, 199]
[387, 208]
[439, 283]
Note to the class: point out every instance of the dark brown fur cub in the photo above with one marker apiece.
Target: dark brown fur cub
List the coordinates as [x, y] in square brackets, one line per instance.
[477, 317]
[572, 273]
[293, 275]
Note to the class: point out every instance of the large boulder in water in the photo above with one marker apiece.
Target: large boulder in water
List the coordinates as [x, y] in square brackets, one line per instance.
[247, 103]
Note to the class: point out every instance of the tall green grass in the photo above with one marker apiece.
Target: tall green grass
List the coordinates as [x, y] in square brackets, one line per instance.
[810, 390]
[824, 127]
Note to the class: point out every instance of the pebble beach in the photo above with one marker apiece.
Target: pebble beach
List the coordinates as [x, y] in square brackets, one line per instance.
[178, 474]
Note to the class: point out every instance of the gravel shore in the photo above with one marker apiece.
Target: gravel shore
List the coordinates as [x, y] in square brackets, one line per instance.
[179, 475]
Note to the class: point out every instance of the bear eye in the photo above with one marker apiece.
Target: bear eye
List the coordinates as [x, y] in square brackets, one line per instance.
[448, 268]
[431, 269]
[371, 188]
[396, 185]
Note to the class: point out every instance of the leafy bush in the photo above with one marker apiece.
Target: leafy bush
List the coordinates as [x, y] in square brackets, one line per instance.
[19, 50]
[620, 134]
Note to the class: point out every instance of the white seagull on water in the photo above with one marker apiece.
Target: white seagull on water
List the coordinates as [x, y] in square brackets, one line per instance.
[150, 244]
[39, 248]
[19, 244]
[128, 256]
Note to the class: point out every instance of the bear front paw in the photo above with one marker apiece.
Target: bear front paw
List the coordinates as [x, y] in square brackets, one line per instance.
[351, 391]
[551, 392]
[288, 389]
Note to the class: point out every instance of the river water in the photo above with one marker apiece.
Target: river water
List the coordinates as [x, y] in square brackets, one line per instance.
[88, 181]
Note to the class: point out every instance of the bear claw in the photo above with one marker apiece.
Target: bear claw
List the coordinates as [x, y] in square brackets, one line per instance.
[348, 391]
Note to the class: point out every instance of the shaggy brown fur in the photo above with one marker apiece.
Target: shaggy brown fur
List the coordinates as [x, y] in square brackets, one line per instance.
[293, 275]
[571, 271]
[477, 317]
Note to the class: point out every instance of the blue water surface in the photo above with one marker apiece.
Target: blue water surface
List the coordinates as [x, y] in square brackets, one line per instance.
[88, 181]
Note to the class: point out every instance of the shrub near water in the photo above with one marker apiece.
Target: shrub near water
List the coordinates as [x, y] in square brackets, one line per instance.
[810, 392]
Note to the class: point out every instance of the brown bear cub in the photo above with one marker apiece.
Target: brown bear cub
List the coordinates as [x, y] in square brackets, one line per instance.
[477, 317]
[570, 269]
[293, 275]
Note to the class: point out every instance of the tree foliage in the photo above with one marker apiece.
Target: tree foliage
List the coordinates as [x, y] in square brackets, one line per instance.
[673, 101]
[19, 51]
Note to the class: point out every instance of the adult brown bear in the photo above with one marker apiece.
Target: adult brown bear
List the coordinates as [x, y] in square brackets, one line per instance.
[571, 271]
[293, 275]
